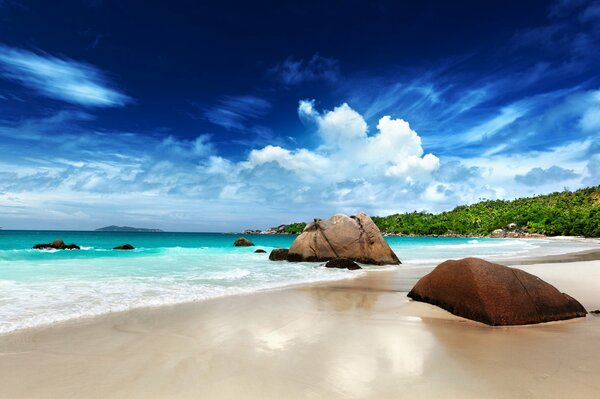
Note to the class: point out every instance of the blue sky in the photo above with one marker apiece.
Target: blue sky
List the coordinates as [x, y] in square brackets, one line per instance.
[219, 117]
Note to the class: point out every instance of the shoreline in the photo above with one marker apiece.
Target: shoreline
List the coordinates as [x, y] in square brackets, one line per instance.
[359, 337]
[419, 271]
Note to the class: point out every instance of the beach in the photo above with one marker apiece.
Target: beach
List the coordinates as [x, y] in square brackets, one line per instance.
[356, 338]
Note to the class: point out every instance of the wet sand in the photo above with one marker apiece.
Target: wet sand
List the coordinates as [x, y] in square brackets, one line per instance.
[353, 339]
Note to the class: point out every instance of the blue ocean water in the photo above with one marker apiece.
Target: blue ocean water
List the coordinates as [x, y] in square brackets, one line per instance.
[41, 287]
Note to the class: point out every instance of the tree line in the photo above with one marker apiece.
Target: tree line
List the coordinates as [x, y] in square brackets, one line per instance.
[574, 213]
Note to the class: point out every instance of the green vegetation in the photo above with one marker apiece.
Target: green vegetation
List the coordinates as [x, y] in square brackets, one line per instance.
[574, 213]
[295, 228]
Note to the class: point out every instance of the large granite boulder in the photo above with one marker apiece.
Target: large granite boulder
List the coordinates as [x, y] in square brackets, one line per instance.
[279, 254]
[342, 263]
[356, 238]
[56, 244]
[494, 294]
[243, 242]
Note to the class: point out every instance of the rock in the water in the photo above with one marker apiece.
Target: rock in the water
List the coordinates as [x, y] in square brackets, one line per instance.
[56, 244]
[494, 294]
[260, 251]
[356, 238]
[342, 263]
[595, 312]
[279, 254]
[243, 242]
[124, 247]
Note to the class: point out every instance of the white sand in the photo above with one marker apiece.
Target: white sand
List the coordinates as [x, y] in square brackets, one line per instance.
[354, 339]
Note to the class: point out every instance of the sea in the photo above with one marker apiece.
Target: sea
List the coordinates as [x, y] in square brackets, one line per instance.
[40, 287]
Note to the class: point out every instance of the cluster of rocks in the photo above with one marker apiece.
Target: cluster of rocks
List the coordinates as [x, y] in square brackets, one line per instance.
[473, 288]
[59, 244]
[340, 240]
[271, 230]
[354, 238]
[503, 233]
[514, 231]
[56, 244]
[249, 231]
[276, 230]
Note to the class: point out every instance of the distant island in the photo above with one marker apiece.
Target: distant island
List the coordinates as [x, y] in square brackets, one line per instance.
[129, 229]
[566, 213]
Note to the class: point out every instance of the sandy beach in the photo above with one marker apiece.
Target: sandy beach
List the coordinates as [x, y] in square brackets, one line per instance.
[360, 338]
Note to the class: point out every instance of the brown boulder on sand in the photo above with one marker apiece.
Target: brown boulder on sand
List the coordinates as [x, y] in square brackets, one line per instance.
[494, 294]
[356, 238]
[279, 254]
[243, 242]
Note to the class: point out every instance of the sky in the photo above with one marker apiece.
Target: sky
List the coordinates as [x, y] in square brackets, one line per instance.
[222, 116]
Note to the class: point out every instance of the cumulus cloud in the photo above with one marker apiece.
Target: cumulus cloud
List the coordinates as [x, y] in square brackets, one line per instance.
[349, 170]
[540, 176]
[60, 78]
[394, 151]
[183, 183]
[294, 71]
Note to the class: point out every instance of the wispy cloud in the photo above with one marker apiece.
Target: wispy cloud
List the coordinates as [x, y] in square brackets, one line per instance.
[294, 71]
[540, 176]
[234, 112]
[60, 78]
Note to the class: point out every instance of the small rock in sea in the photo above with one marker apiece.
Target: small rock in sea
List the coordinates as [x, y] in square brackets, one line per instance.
[279, 254]
[595, 312]
[56, 244]
[342, 263]
[260, 251]
[124, 247]
[243, 242]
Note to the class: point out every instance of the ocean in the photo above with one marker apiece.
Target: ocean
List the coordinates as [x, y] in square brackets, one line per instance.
[43, 287]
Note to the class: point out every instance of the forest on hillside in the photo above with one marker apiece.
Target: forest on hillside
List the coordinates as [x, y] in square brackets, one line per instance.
[573, 213]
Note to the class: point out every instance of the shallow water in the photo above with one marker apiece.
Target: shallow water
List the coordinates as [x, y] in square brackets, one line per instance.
[41, 287]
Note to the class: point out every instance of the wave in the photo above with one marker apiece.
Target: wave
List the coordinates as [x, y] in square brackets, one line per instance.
[227, 275]
[22, 306]
[478, 244]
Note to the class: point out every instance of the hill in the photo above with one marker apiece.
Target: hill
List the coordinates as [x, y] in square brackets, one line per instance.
[129, 229]
[574, 213]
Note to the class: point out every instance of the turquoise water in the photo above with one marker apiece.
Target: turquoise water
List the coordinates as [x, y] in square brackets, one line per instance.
[41, 287]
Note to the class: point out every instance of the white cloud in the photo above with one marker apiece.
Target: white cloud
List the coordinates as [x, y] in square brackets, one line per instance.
[394, 151]
[62, 79]
[176, 183]
[198, 147]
